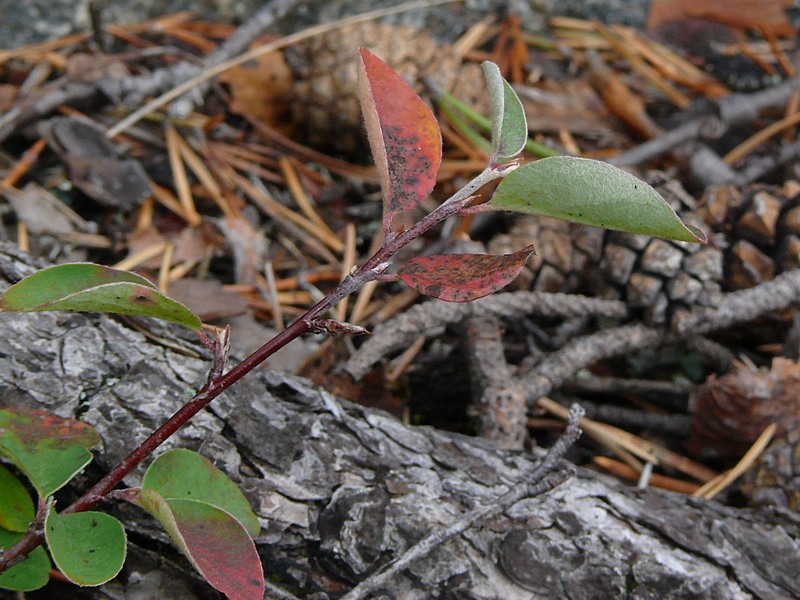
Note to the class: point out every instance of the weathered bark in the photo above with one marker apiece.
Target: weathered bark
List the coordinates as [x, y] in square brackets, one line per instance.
[343, 489]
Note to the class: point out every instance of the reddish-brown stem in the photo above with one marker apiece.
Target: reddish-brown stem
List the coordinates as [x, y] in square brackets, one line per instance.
[369, 271]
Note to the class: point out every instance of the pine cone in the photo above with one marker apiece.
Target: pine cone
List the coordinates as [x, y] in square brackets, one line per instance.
[774, 480]
[755, 235]
[325, 99]
[730, 412]
[651, 274]
[762, 227]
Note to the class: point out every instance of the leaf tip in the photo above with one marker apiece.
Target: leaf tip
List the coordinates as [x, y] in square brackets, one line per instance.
[698, 233]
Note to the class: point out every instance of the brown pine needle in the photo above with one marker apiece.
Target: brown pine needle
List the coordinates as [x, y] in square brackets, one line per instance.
[23, 240]
[144, 218]
[34, 51]
[250, 153]
[664, 457]
[792, 107]
[291, 283]
[348, 262]
[780, 55]
[572, 23]
[404, 360]
[163, 271]
[280, 213]
[24, 164]
[601, 435]
[660, 481]
[167, 200]
[638, 65]
[137, 258]
[202, 173]
[722, 481]
[360, 312]
[302, 200]
[190, 38]
[180, 271]
[395, 305]
[753, 142]
[675, 67]
[272, 295]
[179, 176]
[615, 438]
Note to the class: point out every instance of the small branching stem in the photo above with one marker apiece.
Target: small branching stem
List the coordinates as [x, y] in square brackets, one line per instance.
[371, 270]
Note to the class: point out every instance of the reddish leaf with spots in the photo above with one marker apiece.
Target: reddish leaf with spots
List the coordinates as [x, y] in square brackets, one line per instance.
[50, 450]
[403, 135]
[215, 542]
[184, 474]
[462, 277]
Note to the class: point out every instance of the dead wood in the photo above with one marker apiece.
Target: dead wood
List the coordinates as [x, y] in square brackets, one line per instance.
[429, 319]
[710, 121]
[343, 490]
[498, 401]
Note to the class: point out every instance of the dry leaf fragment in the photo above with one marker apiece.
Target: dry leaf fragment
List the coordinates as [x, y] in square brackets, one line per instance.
[260, 89]
[249, 247]
[207, 298]
[42, 212]
[731, 411]
[94, 166]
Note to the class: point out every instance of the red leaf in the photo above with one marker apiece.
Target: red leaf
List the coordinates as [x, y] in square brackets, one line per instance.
[403, 134]
[214, 541]
[462, 277]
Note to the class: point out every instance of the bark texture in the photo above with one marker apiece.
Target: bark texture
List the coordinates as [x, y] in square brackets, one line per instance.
[342, 490]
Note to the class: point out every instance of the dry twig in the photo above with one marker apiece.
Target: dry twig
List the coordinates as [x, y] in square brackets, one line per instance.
[542, 479]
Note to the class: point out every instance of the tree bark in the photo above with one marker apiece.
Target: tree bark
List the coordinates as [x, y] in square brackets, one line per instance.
[341, 490]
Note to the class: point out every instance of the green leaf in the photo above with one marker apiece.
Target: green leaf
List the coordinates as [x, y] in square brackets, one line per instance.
[185, 474]
[509, 126]
[462, 277]
[28, 575]
[591, 192]
[213, 540]
[88, 548]
[452, 105]
[16, 506]
[403, 135]
[50, 450]
[87, 287]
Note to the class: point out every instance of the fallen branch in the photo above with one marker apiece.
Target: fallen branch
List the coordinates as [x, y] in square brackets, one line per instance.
[428, 319]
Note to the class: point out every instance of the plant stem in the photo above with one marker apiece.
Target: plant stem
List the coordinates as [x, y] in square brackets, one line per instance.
[369, 271]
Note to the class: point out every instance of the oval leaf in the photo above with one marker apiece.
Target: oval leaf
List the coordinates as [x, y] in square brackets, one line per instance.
[88, 548]
[509, 126]
[591, 192]
[86, 287]
[214, 541]
[403, 135]
[462, 277]
[50, 450]
[185, 474]
[54, 283]
[16, 505]
[31, 574]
